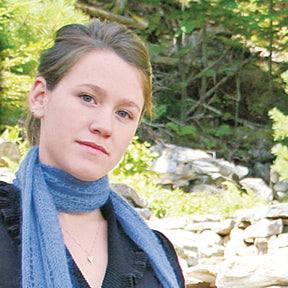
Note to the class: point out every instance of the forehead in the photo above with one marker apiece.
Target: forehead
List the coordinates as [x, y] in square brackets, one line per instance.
[108, 71]
[105, 59]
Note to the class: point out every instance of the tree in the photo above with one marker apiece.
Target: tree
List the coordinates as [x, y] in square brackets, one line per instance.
[207, 55]
[266, 28]
[27, 28]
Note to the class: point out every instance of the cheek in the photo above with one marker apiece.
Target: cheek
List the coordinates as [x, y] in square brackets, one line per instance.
[126, 140]
[56, 125]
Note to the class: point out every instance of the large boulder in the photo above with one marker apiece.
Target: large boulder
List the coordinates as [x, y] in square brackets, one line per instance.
[10, 151]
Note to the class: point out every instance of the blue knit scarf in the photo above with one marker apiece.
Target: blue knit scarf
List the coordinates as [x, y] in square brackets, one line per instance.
[45, 191]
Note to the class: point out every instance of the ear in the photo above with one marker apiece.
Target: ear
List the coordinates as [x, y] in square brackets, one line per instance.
[38, 97]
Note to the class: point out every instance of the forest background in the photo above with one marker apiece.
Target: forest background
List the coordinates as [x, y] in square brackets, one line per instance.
[219, 68]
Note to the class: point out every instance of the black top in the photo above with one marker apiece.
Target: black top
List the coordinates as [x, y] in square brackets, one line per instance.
[128, 265]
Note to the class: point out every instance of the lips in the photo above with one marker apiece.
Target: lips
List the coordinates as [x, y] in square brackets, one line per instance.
[93, 146]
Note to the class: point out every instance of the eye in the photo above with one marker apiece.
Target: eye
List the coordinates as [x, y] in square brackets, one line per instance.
[87, 98]
[124, 114]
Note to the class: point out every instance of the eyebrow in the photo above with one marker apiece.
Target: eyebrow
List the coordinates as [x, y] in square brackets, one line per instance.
[130, 103]
[101, 92]
[94, 88]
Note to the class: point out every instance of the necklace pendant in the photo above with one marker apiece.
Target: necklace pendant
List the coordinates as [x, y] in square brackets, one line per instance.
[90, 259]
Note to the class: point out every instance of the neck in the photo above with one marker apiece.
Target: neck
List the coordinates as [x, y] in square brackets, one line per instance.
[78, 219]
[75, 196]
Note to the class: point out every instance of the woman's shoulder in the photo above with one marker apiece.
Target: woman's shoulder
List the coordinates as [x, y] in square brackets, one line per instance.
[172, 256]
[9, 197]
[10, 212]
[8, 189]
[9, 235]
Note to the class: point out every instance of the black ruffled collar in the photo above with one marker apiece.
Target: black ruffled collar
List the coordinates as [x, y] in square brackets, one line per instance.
[127, 263]
[10, 211]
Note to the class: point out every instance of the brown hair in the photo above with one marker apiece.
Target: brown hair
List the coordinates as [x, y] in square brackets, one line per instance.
[74, 41]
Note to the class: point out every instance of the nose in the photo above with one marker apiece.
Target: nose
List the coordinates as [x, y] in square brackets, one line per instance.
[102, 124]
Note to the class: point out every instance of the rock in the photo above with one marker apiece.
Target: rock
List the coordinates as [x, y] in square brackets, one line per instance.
[170, 223]
[180, 167]
[262, 171]
[9, 150]
[203, 218]
[250, 215]
[129, 193]
[132, 197]
[6, 175]
[196, 283]
[277, 211]
[274, 176]
[281, 186]
[210, 189]
[179, 154]
[262, 245]
[280, 241]
[146, 213]
[209, 243]
[220, 227]
[254, 271]
[263, 228]
[236, 245]
[259, 187]
[204, 274]
[251, 251]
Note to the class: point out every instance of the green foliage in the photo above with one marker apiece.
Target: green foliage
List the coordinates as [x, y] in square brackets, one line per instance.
[210, 143]
[160, 110]
[182, 130]
[236, 199]
[223, 130]
[137, 160]
[280, 124]
[168, 203]
[281, 161]
[26, 28]
[178, 203]
[284, 77]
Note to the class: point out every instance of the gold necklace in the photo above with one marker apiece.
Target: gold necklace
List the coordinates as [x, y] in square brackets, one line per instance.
[89, 253]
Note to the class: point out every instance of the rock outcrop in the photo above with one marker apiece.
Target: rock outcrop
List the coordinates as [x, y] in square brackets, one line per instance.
[249, 250]
[200, 171]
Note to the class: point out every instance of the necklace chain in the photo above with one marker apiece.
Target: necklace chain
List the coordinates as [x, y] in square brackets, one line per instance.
[89, 253]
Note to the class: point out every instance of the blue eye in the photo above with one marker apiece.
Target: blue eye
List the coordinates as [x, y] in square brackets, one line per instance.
[87, 98]
[124, 114]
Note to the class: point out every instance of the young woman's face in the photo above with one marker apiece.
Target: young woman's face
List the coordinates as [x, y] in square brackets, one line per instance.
[90, 117]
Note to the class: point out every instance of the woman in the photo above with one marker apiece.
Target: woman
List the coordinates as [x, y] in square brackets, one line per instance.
[66, 227]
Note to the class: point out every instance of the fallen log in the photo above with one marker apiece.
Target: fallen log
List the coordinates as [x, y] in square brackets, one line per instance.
[102, 14]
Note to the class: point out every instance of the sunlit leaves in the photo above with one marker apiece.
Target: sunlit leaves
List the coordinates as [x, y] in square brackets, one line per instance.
[26, 28]
[280, 124]
[280, 129]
